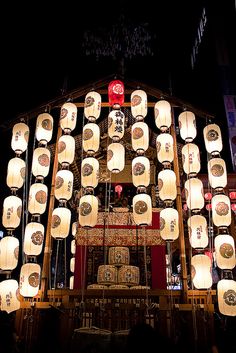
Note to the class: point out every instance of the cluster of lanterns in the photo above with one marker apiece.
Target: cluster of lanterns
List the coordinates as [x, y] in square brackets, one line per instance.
[201, 264]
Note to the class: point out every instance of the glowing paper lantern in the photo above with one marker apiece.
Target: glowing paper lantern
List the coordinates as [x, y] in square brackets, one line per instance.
[72, 264]
[74, 228]
[29, 280]
[38, 195]
[66, 150]
[115, 157]
[187, 126]
[68, 117]
[226, 296]
[197, 231]
[141, 171]
[9, 294]
[91, 138]
[9, 252]
[212, 138]
[232, 195]
[225, 251]
[89, 172]
[15, 173]
[221, 211]
[194, 194]
[142, 209]
[64, 185]
[71, 282]
[41, 162]
[167, 185]
[116, 125]
[33, 239]
[140, 137]
[162, 112]
[169, 224]
[73, 247]
[165, 150]
[92, 106]
[60, 227]
[217, 174]
[201, 271]
[44, 128]
[88, 211]
[191, 159]
[12, 207]
[20, 138]
[139, 104]
[116, 95]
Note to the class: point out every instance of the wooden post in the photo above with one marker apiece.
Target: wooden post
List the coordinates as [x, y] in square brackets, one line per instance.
[48, 239]
[180, 211]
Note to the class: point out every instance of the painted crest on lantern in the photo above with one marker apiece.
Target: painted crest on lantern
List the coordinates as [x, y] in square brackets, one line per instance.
[47, 124]
[140, 207]
[37, 238]
[222, 209]
[230, 297]
[138, 169]
[137, 133]
[217, 170]
[212, 135]
[87, 134]
[34, 279]
[226, 250]
[85, 209]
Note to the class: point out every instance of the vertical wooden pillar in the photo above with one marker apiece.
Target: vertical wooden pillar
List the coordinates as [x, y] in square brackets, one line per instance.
[48, 239]
[180, 211]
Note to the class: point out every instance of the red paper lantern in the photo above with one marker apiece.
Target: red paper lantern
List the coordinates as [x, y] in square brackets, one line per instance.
[232, 195]
[208, 196]
[233, 207]
[116, 94]
[208, 206]
[118, 189]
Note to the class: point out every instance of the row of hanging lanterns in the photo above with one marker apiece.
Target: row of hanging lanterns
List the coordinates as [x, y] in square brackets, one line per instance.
[88, 203]
[11, 218]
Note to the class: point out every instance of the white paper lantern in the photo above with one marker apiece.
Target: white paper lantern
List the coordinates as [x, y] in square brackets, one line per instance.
[162, 112]
[167, 185]
[140, 137]
[71, 282]
[92, 105]
[115, 157]
[60, 227]
[142, 209]
[15, 173]
[201, 271]
[88, 211]
[226, 296]
[91, 138]
[169, 224]
[9, 252]
[187, 126]
[141, 171]
[44, 128]
[221, 210]
[191, 159]
[66, 150]
[74, 228]
[217, 174]
[64, 185]
[12, 207]
[139, 104]
[20, 138]
[68, 117]
[29, 280]
[225, 251]
[9, 294]
[41, 162]
[72, 264]
[116, 125]
[197, 231]
[212, 138]
[73, 247]
[89, 172]
[165, 150]
[33, 239]
[194, 194]
[38, 195]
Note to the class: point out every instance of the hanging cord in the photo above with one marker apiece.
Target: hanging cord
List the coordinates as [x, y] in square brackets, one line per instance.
[65, 263]
[170, 290]
[145, 268]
